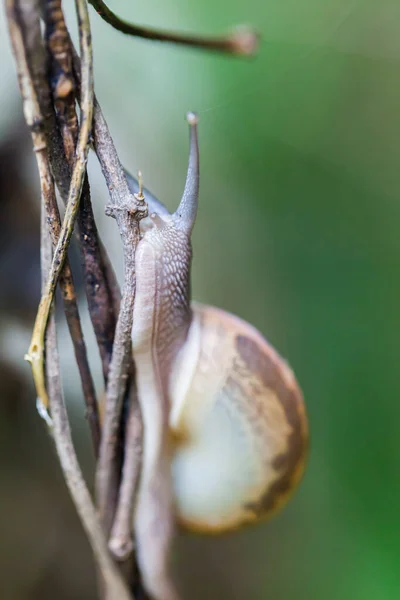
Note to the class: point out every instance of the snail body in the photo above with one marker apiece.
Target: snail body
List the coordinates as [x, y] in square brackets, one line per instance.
[225, 430]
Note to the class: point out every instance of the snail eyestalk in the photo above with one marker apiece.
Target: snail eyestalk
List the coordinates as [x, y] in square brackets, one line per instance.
[186, 212]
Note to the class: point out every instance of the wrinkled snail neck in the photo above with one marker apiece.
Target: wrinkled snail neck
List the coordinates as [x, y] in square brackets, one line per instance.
[162, 317]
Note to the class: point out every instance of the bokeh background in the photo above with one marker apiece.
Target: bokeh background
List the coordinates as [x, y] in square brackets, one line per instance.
[298, 232]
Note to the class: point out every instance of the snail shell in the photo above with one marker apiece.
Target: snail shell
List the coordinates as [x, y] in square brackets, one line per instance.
[238, 420]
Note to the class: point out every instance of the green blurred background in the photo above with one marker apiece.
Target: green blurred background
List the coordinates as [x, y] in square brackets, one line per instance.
[297, 233]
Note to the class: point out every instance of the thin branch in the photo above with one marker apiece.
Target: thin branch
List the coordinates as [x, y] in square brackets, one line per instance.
[62, 176]
[243, 41]
[116, 587]
[74, 324]
[127, 215]
[27, 18]
[99, 276]
[121, 538]
[114, 582]
[35, 353]
[108, 469]
[128, 209]
[40, 104]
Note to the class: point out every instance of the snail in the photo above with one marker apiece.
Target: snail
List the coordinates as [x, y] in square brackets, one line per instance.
[225, 427]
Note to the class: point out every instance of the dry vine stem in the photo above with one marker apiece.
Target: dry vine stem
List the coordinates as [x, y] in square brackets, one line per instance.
[115, 585]
[243, 41]
[35, 353]
[35, 122]
[116, 509]
[116, 588]
[121, 542]
[60, 34]
[38, 85]
[127, 209]
[102, 290]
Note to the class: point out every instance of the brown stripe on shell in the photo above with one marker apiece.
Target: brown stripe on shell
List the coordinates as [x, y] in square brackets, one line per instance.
[276, 375]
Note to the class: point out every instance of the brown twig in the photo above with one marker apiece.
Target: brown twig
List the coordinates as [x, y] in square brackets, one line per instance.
[31, 111]
[114, 582]
[243, 41]
[35, 353]
[28, 47]
[99, 281]
[121, 538]
[40, 86]
[74, 324]
[127, 209]
[108, 468]
[110, 303]
[62, 176]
